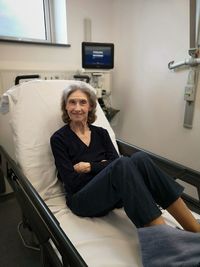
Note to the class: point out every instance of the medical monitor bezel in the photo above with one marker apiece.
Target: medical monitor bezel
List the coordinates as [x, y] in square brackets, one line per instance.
[95, 65]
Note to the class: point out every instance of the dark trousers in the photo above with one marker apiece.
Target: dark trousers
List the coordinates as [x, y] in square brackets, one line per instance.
[134, 181]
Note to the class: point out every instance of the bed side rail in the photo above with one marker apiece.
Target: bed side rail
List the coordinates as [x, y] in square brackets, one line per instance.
[176, 170]
[30, 76]
[42, 221]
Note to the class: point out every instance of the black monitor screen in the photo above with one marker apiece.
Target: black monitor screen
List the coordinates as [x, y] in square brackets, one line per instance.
[97, 55]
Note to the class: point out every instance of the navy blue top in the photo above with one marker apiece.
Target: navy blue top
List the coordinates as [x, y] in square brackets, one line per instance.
[68, 149]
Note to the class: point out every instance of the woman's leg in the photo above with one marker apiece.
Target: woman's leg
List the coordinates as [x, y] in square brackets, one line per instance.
[182, 214]
[96, 198]
[165, 191]
[120, 181]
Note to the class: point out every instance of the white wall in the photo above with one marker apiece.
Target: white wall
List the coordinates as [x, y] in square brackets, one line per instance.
[148, 35]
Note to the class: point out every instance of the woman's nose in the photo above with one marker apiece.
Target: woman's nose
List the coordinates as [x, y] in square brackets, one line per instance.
[77, 106]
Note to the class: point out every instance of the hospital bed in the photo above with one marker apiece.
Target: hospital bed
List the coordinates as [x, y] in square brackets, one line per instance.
[31, 114]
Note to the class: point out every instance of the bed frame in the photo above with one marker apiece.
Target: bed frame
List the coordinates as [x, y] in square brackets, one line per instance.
[37, 217]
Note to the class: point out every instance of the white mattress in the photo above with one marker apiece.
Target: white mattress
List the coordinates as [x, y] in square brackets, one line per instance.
[34, 114]
[106, 241]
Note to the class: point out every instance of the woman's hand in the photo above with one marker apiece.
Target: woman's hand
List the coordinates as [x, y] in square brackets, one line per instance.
[82, 167]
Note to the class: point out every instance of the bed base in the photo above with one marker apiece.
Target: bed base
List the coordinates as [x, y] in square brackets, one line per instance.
[37, 216]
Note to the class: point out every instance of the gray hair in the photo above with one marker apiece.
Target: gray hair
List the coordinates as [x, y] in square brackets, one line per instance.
[91, 98]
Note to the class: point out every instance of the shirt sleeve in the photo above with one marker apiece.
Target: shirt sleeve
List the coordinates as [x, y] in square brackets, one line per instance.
[110, 155]
[72, 180]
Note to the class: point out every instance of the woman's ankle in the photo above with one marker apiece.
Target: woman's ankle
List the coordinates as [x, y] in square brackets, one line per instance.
[157, 221]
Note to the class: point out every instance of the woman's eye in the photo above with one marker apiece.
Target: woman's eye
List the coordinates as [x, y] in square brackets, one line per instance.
[83, 102]
[72, 102]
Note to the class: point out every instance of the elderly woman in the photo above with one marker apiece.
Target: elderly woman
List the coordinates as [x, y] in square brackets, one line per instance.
[97, 180]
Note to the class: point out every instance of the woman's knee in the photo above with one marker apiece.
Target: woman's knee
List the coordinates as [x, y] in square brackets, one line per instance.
[120, 167]
[122, 162]
[141, 160]
[139, 156]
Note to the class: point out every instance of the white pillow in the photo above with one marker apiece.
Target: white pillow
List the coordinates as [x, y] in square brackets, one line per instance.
[35, 116]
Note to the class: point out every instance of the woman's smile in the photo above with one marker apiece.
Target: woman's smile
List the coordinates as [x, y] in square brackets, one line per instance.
[78, 106]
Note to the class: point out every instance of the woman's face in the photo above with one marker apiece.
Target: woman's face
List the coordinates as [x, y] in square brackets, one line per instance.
[78, 106]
